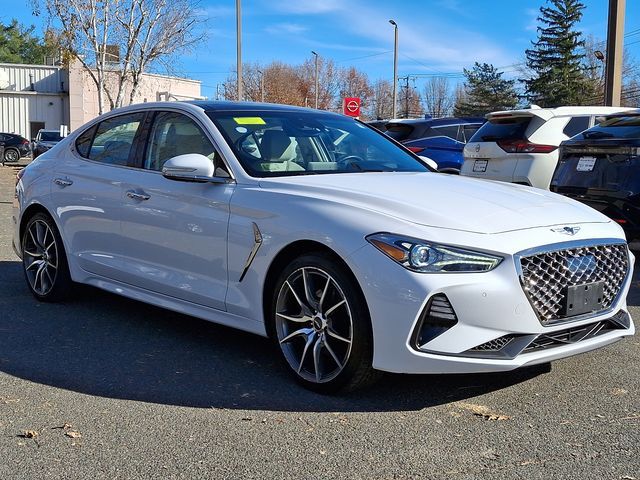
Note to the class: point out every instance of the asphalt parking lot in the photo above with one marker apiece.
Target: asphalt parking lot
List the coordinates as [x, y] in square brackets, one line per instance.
[105, 387]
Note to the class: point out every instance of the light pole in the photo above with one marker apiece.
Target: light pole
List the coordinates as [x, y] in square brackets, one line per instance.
[316, 81]
[239, 48]
[600, 56]
[395, 65]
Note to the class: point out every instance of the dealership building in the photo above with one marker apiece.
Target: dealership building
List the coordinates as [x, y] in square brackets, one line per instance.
[46, 96]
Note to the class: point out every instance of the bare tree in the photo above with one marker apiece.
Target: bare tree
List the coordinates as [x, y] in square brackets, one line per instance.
[117, 41]
[437, 97]
[354, 83]
[381, 104]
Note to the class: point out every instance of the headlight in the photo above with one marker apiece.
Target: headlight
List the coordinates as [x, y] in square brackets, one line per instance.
[425, 257]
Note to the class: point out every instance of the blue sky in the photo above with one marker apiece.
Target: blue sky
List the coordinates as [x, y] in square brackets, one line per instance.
[436, 36]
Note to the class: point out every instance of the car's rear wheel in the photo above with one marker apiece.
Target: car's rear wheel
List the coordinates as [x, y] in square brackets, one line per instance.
[44, 260]
[11, 155]
[322, 325]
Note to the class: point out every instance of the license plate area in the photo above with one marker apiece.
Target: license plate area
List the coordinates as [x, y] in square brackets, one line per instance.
[586, 164]
[585, 298]
[480, 166]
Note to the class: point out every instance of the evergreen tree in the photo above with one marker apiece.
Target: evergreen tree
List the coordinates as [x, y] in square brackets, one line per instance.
[18, 44]
[555, 59]
[484, 91]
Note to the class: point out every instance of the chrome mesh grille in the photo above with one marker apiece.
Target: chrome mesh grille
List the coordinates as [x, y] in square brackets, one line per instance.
[492, 345]
[546, 276]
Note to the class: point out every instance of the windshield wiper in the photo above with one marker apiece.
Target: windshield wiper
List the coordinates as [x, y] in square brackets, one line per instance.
[489, 138]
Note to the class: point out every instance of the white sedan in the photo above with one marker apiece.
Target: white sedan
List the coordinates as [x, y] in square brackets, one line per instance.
[323, 234]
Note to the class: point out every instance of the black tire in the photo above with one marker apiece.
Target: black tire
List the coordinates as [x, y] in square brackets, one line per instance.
[11, 155]
[328, 326]
[44, 260]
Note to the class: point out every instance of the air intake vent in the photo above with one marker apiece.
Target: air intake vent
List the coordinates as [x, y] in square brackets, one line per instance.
[437, 318]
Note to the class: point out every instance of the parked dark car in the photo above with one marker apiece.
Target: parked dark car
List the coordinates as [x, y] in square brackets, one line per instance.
[601, 167]
[15, 147]
[441, 139]
[378, 124]
[45, 140]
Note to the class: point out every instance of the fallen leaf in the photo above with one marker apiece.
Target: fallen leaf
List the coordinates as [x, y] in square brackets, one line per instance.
[482, 411]
[73, 434]
[29, 434]
[64, 426]
[618, 391]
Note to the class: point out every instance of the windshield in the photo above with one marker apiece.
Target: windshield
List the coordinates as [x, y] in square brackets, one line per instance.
[615, 127]
[273, 143]
[50, 136]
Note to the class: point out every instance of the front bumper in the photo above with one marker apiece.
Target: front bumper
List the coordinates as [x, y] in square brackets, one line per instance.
[488, 306]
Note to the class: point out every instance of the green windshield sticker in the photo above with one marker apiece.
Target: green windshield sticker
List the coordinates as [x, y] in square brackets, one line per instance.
[249, 121]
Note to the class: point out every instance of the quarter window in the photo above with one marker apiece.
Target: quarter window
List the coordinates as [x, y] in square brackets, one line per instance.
[576, 125]
[83, 142]
[175, 134]
[114, 139]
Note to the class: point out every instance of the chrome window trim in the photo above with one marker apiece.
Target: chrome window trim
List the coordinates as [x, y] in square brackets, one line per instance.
[178, 109]
[555, 247]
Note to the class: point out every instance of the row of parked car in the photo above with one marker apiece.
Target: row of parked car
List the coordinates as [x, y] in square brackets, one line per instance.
[591, 154]
[14, 147]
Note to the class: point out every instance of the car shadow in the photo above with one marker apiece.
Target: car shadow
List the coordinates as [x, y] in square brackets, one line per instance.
[109, 346]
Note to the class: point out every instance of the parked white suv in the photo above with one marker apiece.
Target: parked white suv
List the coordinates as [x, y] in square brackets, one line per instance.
[521, 146]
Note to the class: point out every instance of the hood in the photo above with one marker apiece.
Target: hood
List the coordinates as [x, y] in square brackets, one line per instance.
[442, 201]
[43, 143]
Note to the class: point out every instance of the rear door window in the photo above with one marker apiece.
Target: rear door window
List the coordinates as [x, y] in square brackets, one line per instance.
[576, 125]
[450, 131]
[506, 128]
[114, 139]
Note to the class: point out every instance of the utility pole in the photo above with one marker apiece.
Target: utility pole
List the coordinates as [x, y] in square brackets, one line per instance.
[395, 67]
[316, 81]
[239, 48]
[261, 85]
[615, 44]
[406, 94]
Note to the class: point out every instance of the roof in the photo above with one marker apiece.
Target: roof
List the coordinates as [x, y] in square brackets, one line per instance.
[437, 121]
[547, 113]
[229, 106]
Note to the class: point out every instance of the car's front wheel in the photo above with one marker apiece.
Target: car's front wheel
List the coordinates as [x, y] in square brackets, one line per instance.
[322, 325]
[44, 260]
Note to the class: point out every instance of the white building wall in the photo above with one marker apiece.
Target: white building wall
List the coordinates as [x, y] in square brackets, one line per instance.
[19, 109]
[46, 79]
[83, 93]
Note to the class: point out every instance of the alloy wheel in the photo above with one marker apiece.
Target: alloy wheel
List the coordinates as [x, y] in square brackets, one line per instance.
[314, 324]
[11, 156]
[40, 256]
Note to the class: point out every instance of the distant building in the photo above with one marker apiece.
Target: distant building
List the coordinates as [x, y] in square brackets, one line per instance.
[42, 96]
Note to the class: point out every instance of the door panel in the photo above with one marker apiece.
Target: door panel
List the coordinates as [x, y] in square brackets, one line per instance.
[176, 232]
[88, 193]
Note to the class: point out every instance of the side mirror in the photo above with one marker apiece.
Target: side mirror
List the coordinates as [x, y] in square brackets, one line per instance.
[432, 163]
[191, 167]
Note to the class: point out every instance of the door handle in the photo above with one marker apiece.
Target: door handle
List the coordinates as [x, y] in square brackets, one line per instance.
[63, 182]
[138, 196]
